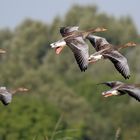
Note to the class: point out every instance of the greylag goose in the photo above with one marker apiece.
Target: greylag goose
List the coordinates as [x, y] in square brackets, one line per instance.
[120, 88]
[74, 38]
[108, 51]
[6, 95]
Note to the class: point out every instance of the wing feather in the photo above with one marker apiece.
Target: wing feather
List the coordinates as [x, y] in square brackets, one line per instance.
[78, 47]
[132, 91]
[80, 51]
[120, 63]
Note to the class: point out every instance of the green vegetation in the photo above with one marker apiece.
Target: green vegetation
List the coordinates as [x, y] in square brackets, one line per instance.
[57, 87]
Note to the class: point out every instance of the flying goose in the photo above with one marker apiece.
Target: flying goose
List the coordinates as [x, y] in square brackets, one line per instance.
[108, 51]
[120, 88]
[6, 95]
[75, 39]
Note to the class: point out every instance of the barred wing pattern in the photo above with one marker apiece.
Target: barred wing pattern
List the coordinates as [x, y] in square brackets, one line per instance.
[132, 91]
[78, 47]
[120, 63]
[80, 50]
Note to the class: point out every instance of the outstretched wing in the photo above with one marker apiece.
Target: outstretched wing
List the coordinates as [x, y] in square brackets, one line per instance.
[78, 47]
[120, 63]
[80, 51]
[132, 91]
[99, 43]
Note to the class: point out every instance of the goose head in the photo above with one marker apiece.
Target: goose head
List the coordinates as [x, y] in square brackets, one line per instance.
[100, 29]
[20, 89]
[130, 44]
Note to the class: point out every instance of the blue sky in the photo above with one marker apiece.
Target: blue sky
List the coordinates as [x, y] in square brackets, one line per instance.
[13, 12]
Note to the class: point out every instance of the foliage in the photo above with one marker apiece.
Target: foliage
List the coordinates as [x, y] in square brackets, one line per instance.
[57, 87]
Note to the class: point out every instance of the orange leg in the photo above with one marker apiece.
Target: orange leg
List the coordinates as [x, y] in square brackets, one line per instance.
[91, 61]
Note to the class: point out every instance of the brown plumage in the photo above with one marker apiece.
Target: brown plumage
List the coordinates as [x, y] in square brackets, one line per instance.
[108, 51]
[72, 32]
[6, 94]
[74, 38]
[120, 88]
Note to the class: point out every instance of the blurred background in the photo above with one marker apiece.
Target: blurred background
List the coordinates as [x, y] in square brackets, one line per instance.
[63, 103]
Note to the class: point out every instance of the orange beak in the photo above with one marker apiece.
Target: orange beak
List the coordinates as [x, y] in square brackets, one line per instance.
[59, 49]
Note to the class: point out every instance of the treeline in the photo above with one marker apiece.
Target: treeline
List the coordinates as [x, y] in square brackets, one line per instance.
[59, 89]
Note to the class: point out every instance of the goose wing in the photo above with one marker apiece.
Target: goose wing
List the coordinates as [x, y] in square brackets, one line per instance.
[6, 98]
[120, 63]
[99, 43]
[78, 46]
[132, 91]
[80, 51]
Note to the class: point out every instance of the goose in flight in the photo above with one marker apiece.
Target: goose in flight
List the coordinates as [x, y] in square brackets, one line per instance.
[120, 88]
[75, 40]
[108, 51]
[6, 95]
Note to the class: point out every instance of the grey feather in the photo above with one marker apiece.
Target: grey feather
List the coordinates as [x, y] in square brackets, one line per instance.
[97, 42]
[5, 96]
[119, 61]
[131, 90]
[78, 47]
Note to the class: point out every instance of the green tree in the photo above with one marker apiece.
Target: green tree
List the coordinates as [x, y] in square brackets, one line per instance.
[56, 85]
